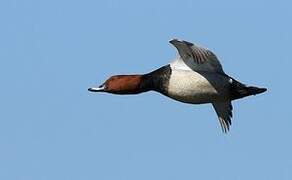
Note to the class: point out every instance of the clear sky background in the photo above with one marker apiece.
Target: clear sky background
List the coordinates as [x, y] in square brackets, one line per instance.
[52, 128]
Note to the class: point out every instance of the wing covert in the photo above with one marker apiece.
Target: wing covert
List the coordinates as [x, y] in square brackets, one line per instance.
[196, 57]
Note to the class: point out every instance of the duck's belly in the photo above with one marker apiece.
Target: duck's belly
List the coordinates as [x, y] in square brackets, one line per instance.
[195, 88]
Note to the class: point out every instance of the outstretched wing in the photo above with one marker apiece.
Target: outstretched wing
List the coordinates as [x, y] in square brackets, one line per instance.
[197, 58]
[224, 113]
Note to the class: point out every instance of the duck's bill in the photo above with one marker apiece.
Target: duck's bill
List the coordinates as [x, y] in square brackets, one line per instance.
[96, 89]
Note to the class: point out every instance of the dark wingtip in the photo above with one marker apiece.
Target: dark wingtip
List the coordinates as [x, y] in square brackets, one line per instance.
[173, 41]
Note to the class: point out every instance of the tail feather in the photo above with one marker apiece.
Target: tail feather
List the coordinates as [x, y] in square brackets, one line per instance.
[255, 90]
[239, 90]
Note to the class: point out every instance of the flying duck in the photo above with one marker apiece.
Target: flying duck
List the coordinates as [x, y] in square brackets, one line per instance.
[195, 77]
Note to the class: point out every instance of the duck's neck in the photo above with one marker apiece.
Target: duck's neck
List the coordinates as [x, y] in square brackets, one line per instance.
[157, 80]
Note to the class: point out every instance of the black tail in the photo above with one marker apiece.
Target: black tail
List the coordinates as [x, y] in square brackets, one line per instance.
[239, 90]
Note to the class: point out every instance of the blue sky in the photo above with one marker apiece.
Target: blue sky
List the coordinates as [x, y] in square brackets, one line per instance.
[51, 127]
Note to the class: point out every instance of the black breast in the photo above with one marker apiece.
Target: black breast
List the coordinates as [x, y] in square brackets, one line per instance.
[157, 80]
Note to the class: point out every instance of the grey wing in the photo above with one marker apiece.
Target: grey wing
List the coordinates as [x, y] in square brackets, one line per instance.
[197, 58]
[224, 113]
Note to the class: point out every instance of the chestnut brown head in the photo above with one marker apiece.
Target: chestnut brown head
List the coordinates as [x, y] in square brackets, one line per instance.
[121, 84]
